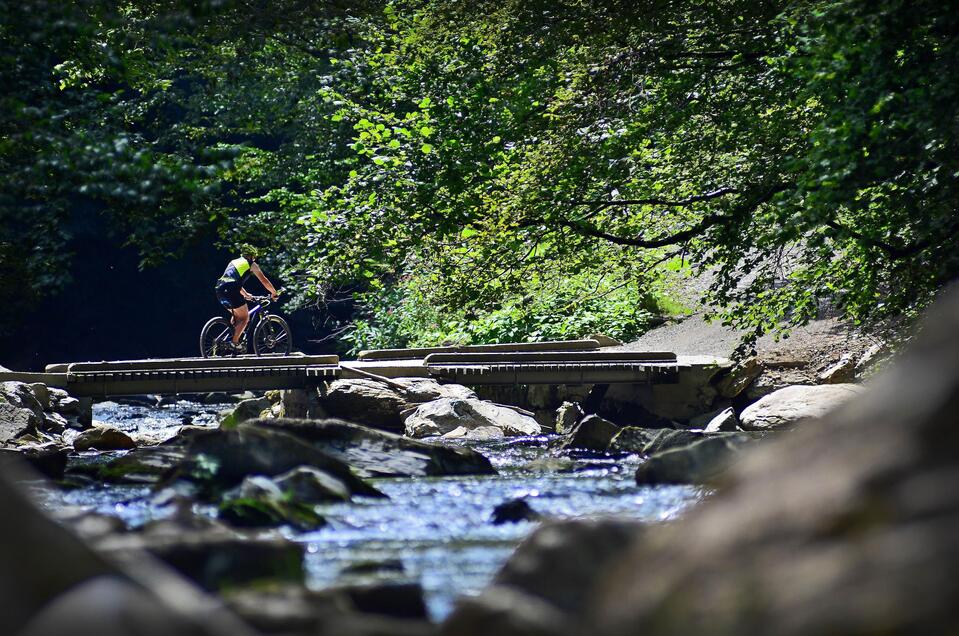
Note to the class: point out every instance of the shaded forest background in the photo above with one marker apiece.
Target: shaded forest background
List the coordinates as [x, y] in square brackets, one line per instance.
[427, 171]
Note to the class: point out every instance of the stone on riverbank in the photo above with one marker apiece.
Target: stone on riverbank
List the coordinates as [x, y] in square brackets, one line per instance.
[695, 463]
[381, 405]
[542, 585]
[246, 410]
[215, 557]
[591, 433]
[513, 511]
[786, 407]
[221, 459]
[568, 416]
[259, 502]
[309, 485]
[50, 459]
[444, 415]
[725, 421]
[20, 412]
[374, 453]
[103, 438]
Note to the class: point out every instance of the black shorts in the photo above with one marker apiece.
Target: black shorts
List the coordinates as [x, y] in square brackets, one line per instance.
[229, 295]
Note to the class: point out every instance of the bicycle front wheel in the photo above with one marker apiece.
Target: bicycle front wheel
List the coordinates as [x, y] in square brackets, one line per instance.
[272, 337]
[216, 338]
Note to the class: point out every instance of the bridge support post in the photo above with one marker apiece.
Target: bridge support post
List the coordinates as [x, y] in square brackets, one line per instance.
[85, 416]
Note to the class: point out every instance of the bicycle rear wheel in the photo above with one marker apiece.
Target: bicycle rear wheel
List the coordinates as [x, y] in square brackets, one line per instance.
[272, 336]
[215, 338]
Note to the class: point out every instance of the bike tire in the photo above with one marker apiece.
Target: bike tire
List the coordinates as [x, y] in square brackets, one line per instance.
[210, 345]
[272, 336]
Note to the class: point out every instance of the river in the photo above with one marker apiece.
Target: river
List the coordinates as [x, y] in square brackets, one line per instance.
[435, 530]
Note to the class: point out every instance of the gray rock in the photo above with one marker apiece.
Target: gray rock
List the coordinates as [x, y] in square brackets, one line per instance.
[366, 402]
[446, 414]
[842, 372]
[103, 438]
[213, 558]
[665, 438]
[311, 486]
[382, 609]
[16, 422]
[513, 511]
[696, 463]
[68, 406]
[724, 421]
[788, 406]
[259, 502]
[739, 378]
[221, 459]
[541, 586]
[50, 460]
[374, 453]
[246, 410]
[567, 416]
[633, 439]
[42, 394]
[53, 423]
[478, 433]
[591, 433]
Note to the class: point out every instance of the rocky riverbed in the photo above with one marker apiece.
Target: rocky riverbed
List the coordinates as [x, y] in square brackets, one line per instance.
[382, 506]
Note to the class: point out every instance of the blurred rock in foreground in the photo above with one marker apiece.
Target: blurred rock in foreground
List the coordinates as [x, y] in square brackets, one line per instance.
[846, 526]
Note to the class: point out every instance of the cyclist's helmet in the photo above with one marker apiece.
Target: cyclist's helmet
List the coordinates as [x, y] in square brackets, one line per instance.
[249, 252]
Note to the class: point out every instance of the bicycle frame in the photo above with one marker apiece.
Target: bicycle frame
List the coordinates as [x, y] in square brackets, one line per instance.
[257, 313]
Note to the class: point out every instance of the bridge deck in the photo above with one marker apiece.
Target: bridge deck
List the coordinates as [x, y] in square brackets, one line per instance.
[202, 375]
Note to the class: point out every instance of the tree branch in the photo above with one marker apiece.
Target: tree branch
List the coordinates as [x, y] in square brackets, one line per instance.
[708, 196]
[704, 224]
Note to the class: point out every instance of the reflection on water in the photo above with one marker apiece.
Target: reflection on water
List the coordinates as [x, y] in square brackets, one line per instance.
[437, 528]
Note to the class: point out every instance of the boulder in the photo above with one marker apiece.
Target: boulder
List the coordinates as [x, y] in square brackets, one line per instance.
[632, 439]
[365, 401]
[384, 609]
[786, 407]
[696, 463]
[42, 394]
[724, 421]
[591, 433]
[446, 414]
[214, 557]
[665, 438]
[738, 379]
[259, 502]
[53, 423]
[298, 403]
[309, 485]
[374, 453]
[221, 459]
[16, 422]
[480, 433]
[50, 460]
[842, 372]
[543, 582]
[246, 410]
[513, 511]
[145, 465]
[103, 438]
[567, 416]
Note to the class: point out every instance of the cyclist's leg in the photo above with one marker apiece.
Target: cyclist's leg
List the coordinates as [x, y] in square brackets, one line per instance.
[241, 318]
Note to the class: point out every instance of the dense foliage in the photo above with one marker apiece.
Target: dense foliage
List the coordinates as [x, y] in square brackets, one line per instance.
[499, 170]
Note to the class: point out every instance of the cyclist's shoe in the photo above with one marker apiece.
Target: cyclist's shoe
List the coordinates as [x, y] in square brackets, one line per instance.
[238, 347]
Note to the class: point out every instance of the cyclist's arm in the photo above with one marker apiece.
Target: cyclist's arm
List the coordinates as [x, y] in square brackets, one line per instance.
[263, 279]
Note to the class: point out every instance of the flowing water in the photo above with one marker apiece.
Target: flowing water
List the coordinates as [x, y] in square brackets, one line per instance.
[435, 530]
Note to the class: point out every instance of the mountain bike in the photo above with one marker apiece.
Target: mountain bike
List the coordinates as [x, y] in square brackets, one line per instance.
[271, 334]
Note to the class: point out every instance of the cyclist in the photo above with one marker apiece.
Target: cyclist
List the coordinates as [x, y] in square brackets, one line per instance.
[230, 292]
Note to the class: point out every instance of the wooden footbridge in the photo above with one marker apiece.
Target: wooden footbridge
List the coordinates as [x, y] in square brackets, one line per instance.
[568, 362]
